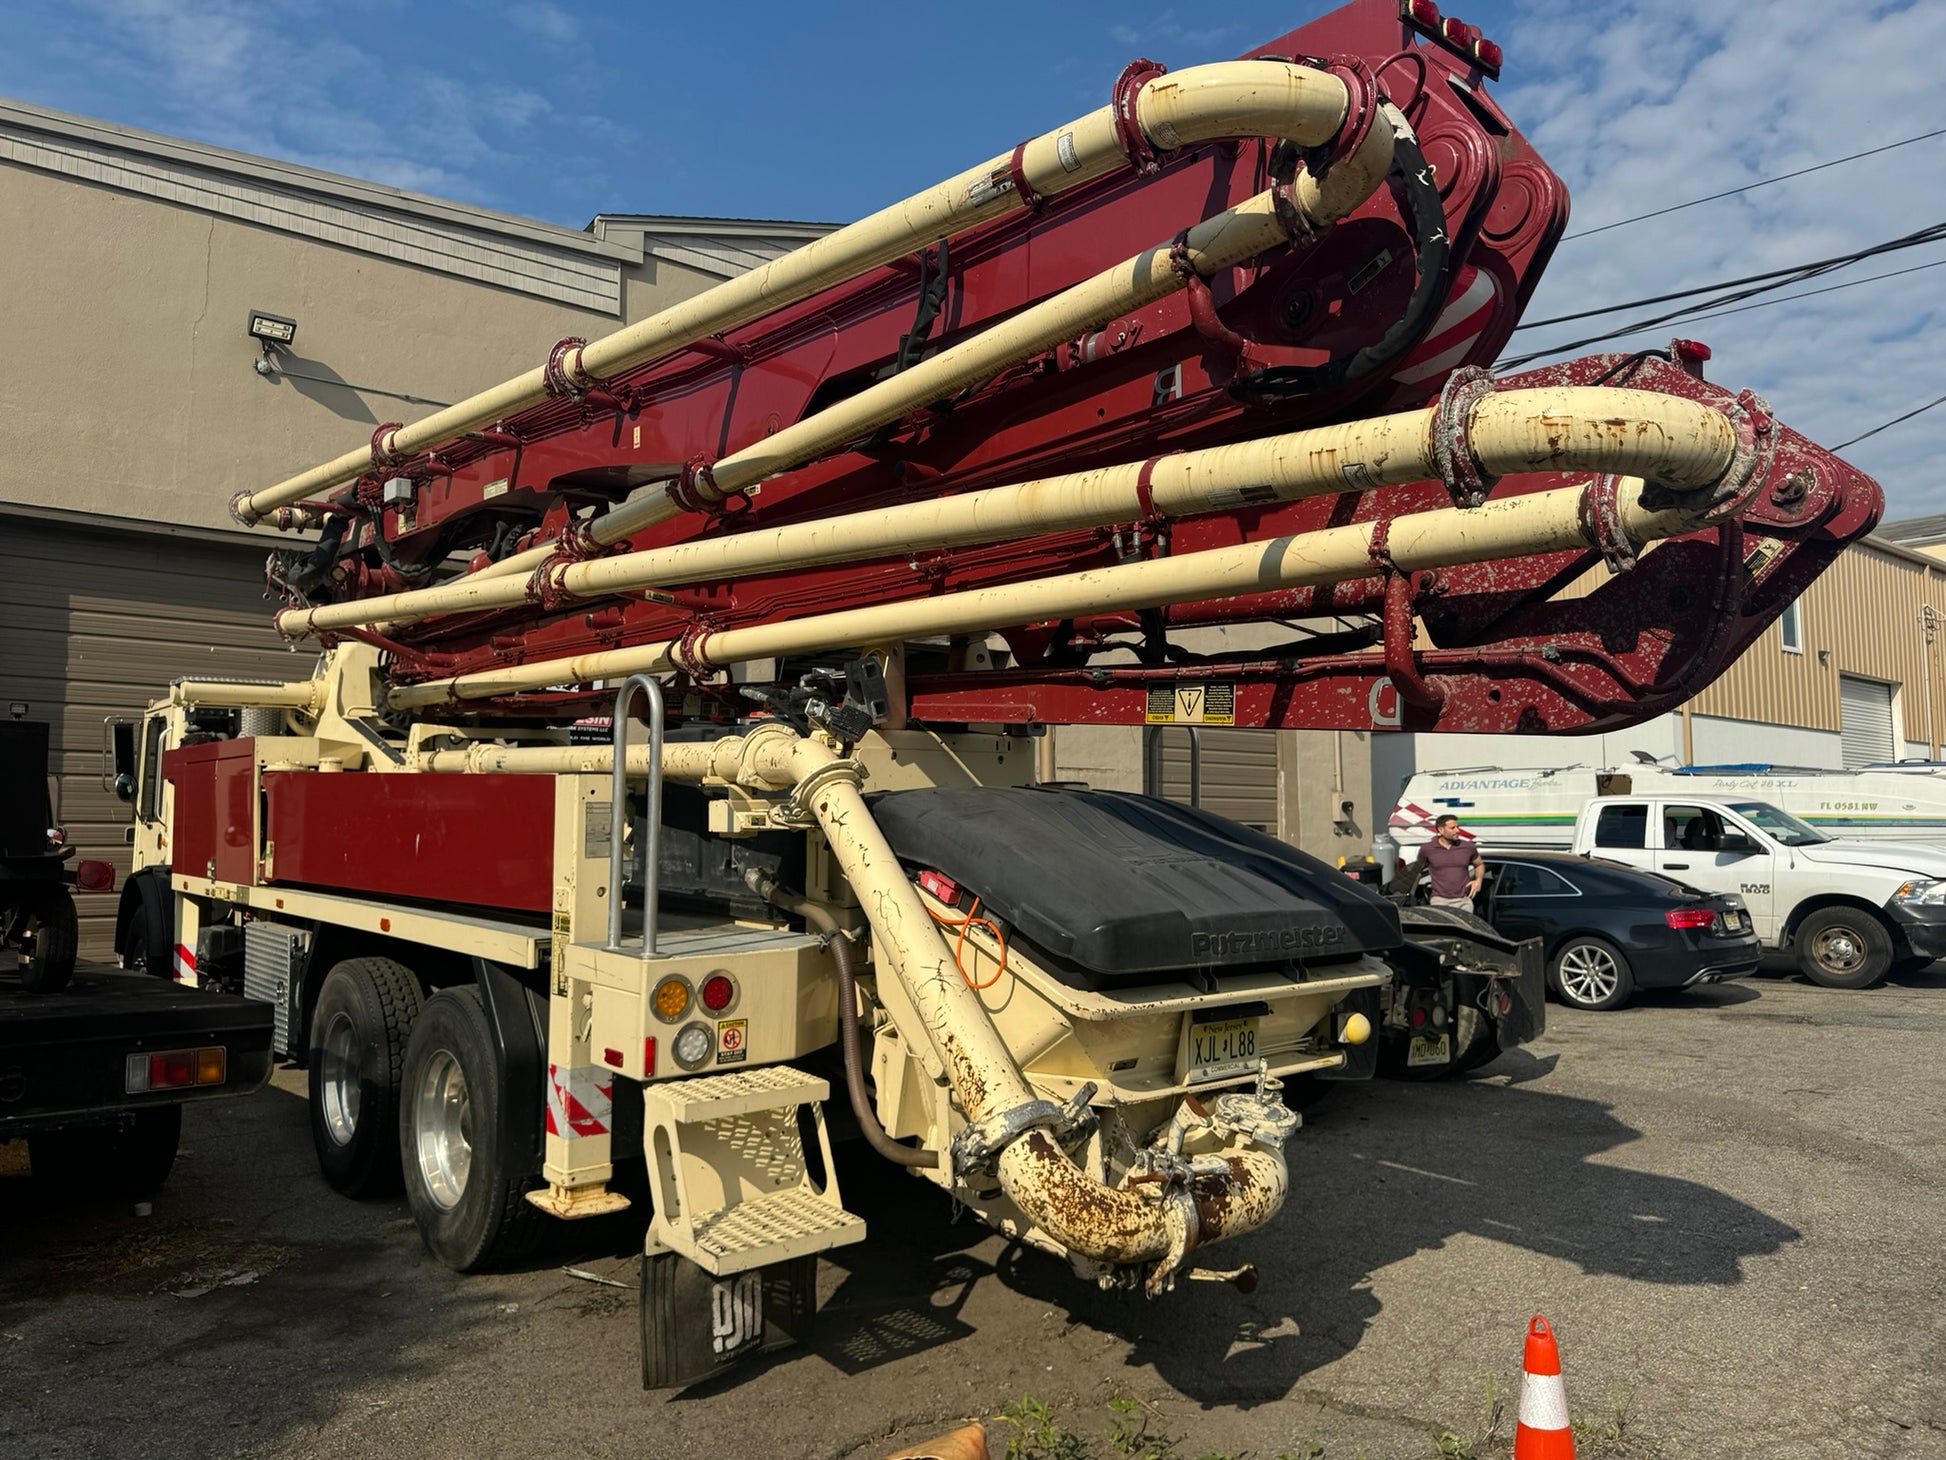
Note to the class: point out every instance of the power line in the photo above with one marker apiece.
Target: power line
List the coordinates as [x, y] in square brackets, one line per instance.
[1752, 187]
[1810, 293]
[1761, 284]
[1891, 423]
[1911, 240]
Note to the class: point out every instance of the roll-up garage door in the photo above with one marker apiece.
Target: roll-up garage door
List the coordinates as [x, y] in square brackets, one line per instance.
[94, 623]
[1236, 771]
[1865, 725]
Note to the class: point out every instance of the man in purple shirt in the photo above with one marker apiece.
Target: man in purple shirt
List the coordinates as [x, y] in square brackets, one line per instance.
[1454, 863]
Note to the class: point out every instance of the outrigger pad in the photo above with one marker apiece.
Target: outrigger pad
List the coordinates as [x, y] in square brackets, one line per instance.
[1119, 887]
[695, 1325]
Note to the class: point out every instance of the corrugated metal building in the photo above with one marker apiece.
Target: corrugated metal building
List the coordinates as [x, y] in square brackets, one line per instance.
[136, 407]
[1851, 674]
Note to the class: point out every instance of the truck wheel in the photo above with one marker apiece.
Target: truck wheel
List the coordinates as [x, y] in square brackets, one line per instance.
[1843, 948]
[359, 1030]
[472, 1212]
[51, 933]
[1591, 973]
[125, 1162]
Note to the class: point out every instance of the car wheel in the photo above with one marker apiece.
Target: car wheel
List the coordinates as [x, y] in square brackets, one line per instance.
[1843, 948]
[471, 1210]
[1591, 973]
[359, 1030]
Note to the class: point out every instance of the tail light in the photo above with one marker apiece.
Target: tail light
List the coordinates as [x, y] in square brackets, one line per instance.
[174, 1069]
[719, 992]
[93, 876]
[1689, 917]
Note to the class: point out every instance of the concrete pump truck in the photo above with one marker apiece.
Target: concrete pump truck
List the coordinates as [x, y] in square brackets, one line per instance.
[851, 532]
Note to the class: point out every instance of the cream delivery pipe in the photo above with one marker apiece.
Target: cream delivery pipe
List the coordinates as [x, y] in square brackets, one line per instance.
[1216, 243]
[1511, 527]
[1227, 99]
[305, 695]
[1667, 439]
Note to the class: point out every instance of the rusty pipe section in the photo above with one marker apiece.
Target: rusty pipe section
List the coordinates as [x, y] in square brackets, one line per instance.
[1233, 1187]
[1279, 99]
[1674, 442]
[1606, 513]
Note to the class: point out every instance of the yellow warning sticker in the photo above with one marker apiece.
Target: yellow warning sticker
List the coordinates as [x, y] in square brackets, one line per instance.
[1191, 704]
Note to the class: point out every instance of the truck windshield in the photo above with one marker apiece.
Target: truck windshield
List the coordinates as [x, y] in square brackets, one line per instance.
[1778, 824]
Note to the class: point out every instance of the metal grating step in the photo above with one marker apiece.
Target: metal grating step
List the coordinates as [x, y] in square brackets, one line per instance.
[719, 1097]
[779, 1226]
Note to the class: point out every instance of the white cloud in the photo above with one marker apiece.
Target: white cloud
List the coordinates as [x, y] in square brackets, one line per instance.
[550, 22]
[1644, 103]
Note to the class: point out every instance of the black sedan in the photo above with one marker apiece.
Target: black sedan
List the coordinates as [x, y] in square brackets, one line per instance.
[1608, 930]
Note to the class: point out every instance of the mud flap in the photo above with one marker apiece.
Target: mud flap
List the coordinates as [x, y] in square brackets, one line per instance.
[1361, 1060]
[695, 1325]
[1525, 1018]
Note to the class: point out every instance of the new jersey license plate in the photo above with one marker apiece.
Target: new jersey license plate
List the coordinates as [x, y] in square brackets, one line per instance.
[1222, 1047]
[1432, 1050]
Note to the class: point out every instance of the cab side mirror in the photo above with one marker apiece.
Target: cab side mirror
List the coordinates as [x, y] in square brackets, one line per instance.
[1737, 843]
[124, 787]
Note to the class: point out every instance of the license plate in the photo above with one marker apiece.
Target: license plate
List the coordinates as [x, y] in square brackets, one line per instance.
[1222, 1047]
[1430, 1050]
[1733, 920]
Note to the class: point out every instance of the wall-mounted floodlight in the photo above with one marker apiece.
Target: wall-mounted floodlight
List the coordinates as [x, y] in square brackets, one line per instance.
[271, 329]
[17, 708]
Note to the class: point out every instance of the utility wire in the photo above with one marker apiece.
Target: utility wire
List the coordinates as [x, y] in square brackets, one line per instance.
[1752, 187]
[1891, 423]
[1809, 293]
[1911, 240]
[1761, 284]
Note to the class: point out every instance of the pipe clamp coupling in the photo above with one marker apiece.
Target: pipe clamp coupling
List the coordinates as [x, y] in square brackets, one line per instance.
[978, 1145]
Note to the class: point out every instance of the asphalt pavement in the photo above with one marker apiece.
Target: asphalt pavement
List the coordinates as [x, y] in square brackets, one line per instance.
[1731, 1203]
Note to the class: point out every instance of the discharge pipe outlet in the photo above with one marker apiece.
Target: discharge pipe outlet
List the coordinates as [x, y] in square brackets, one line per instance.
[1278, 99]
[1678, 443]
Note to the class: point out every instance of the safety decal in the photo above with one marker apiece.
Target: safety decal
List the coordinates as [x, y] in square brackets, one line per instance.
[579, 1101]
[185, 963]
[1191, 704]
[732, 1041]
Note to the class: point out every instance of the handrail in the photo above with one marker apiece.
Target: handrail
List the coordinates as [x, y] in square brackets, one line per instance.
[618, 811]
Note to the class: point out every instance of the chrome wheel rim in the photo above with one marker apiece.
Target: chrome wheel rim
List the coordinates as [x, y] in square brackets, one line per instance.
[1839, 950]
[338, 1079]
[442, 1123]
[1589, 974]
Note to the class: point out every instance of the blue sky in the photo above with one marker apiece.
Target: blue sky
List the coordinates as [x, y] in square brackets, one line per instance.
[826, 111]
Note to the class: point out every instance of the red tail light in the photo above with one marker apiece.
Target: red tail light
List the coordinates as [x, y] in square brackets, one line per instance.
[1689, 917]
[93, 876]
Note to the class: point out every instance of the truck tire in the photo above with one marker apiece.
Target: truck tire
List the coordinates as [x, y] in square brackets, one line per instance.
[146, 941]
[471, 1208]
[1591, 973]
[1843, 948]
[359, 1030]
[123, 1162]
[52, 934]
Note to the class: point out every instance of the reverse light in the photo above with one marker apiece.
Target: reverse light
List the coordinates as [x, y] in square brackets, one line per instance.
[1689, 917]
[671, 998]
[174, 1069]
[692, 1045]
[719, 991]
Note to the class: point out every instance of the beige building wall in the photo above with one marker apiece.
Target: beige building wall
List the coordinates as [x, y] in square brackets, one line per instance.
[128, 382]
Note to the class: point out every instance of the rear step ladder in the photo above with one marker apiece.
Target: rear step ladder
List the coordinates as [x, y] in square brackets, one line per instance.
[726, 1164]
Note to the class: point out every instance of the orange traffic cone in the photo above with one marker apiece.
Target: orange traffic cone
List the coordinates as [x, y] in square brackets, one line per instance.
[1543, 1432]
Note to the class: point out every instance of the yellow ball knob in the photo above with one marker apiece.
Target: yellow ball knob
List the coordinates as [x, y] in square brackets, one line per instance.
[1357, 1029]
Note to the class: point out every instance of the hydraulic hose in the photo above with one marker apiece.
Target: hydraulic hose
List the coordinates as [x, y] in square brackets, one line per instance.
[850, 1038]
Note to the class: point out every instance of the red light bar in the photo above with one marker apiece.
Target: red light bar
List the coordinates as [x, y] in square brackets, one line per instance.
[1489, 55]
[1689, 917]
[1421, 14]
[1453, 34]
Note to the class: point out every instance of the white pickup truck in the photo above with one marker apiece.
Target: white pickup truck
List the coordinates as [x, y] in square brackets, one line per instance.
[1853, 911]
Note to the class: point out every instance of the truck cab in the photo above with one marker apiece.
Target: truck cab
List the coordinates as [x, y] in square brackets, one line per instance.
[1851, 911]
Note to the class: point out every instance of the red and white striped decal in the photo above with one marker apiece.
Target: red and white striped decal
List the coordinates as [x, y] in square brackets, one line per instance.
[1452, 337]
[185, 968]
[579, 1101]
[1408, 813]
